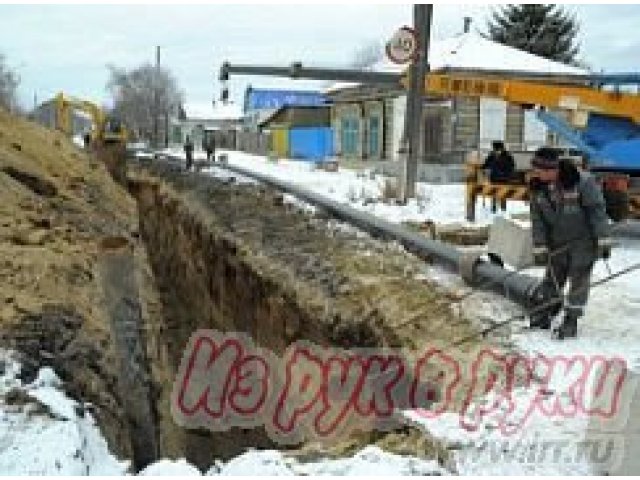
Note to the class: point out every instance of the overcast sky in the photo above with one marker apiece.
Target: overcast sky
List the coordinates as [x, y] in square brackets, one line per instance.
[67, 47]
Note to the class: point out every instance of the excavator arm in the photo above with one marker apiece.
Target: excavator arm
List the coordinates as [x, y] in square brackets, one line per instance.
[102, 131]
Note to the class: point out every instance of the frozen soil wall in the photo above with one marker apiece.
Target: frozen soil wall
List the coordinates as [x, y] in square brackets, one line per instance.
[58, 206]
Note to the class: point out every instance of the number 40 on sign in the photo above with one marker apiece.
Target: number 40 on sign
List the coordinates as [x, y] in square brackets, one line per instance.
[403, 46]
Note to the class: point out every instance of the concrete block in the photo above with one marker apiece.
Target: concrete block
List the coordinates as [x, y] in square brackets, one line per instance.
[511, 240]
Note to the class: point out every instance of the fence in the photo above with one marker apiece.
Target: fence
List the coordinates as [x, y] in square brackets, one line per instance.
[255, 143]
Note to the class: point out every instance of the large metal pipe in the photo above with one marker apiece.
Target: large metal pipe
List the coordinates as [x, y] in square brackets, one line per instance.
[515, 286]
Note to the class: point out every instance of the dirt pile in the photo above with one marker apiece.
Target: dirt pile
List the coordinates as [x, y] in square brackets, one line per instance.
[56, 205]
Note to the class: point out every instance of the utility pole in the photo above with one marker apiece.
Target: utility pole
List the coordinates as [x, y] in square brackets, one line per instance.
[156, 101]
[422, 15]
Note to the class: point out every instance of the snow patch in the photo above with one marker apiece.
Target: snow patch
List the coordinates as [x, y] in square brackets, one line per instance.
[52, 436]
[170, 468]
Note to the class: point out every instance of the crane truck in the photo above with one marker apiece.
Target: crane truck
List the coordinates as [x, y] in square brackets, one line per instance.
[603, 125]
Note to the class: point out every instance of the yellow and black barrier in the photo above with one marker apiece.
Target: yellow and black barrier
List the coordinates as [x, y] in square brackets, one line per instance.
[478, 186]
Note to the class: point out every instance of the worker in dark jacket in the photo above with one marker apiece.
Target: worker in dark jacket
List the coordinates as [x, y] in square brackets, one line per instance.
[209, 146]
[570, 231]
[501, 167]
[188, 152]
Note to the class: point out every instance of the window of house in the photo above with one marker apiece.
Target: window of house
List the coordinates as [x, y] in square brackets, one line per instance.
[176, 134]
[535, 132]
[350, 136]
[374, 137]
[493, 121]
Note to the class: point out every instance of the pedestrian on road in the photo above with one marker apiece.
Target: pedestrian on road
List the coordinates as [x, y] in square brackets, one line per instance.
[210, 147]
[570, 231]
[188, 151]
[501, 167]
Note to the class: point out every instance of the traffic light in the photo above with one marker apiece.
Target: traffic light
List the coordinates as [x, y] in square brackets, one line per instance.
[225, 95]
[224, 72]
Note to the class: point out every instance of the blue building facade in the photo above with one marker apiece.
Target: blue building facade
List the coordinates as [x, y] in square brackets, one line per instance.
[272, 99]
[311, 143]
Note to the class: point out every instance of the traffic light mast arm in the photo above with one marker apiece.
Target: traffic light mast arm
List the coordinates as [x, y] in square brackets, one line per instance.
[544, 92]
[297, 71]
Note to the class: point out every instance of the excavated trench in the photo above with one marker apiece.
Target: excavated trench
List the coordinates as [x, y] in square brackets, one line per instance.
[234, 257]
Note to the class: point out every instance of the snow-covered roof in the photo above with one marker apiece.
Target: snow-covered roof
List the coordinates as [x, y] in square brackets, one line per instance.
[206, 111]
[472, 51]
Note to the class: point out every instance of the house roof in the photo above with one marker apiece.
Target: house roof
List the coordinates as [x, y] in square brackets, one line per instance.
[215, 112]
[266, 116]
[471, 51]
[273, 98]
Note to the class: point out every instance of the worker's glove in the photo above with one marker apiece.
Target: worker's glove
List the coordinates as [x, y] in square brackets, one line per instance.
[605, 244]
[540, 256]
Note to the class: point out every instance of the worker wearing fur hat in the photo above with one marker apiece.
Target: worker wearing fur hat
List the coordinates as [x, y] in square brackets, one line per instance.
[570, 231]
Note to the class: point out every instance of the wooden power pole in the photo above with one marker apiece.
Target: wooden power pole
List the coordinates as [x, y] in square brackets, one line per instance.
[156, 102]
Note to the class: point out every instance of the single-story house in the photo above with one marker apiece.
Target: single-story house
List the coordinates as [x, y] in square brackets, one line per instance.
[368, 120]
[290, 123]
[220, 120]
[262, 103]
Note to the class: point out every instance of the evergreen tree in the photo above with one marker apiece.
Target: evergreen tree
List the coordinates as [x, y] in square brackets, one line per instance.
[544, 30]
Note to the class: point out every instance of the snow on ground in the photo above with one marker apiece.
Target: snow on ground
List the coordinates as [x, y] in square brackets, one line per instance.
[170, 468]
[611, 325]
[43, 432]
[610, 328]
[370, 461]
[364, 190]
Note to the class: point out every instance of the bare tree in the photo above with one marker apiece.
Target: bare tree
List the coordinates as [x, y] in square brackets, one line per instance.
[143, 94]
[366, 56]
[8, 85]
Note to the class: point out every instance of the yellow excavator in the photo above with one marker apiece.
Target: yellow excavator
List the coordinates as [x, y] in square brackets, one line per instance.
[108, 137]
[105, 129]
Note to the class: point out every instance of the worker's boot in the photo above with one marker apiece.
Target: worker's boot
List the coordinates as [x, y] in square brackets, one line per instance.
[569, 326]
[541, 321]
[541, 317]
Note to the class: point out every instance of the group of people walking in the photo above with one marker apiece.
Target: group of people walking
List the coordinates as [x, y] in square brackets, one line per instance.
[208, 146]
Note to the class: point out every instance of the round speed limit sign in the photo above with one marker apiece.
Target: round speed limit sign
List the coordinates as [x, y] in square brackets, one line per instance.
[403, 46]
